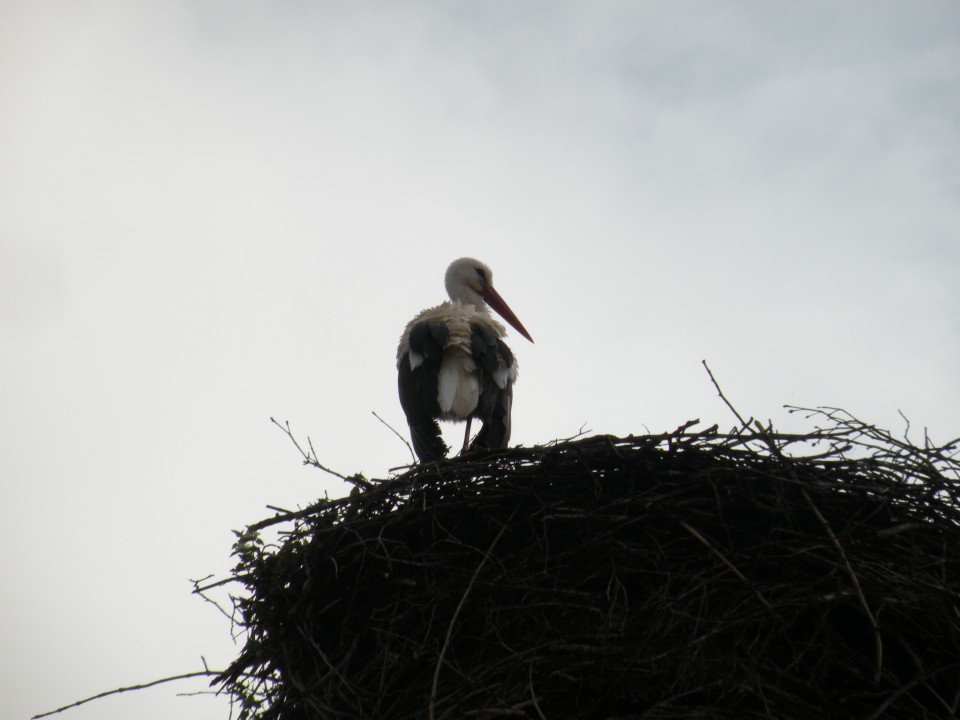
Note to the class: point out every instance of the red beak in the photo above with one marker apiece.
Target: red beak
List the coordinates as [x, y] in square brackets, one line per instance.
[497, 303]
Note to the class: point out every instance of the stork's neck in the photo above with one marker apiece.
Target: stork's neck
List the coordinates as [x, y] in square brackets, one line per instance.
[467, 296]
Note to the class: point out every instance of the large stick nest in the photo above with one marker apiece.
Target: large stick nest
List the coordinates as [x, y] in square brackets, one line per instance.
[694, 574]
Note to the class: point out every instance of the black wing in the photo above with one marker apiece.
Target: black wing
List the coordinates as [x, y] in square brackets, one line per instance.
[490, 353]
[418, 388]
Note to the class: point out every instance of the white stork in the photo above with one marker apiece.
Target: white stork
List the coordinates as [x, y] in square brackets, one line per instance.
[453, 364]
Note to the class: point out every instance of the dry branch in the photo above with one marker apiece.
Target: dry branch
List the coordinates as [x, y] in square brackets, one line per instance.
[129, 688]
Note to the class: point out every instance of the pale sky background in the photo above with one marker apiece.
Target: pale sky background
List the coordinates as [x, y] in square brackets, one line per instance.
[214, 212]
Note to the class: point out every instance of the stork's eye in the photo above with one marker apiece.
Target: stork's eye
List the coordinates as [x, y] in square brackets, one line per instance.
[482, 275]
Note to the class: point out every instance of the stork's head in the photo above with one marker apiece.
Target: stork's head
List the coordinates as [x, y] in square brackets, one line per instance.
[466, 280]
[470, 281]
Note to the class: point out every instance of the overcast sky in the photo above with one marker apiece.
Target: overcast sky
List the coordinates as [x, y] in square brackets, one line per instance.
[215, 212]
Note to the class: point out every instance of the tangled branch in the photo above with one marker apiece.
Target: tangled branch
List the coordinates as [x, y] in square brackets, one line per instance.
[748, 574]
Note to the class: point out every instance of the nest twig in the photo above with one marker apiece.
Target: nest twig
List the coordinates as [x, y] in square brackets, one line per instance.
[691, 574]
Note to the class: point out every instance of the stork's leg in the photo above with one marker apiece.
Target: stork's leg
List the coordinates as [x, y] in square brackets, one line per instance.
[466, 437]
